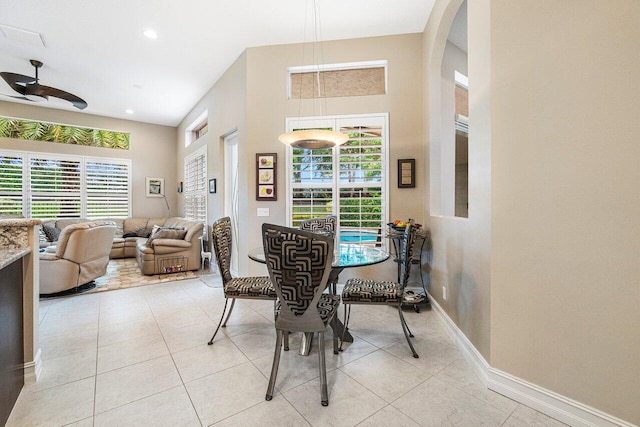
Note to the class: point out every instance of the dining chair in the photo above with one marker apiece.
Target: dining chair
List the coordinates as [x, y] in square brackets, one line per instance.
[299, 264]
[382, 292]
[256, 288]
[325, 224]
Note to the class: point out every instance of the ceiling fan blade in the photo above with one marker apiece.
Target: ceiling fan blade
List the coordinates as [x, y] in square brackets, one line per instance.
[18, 97]
[14, 79]
[45, 91]
[17, 78]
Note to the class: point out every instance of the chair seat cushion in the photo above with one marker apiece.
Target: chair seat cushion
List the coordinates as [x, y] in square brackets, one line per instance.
[374, 291]
[250, 287]
[327, 305]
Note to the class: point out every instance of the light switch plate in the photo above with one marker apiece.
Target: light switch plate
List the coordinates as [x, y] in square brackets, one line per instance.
[263, 211]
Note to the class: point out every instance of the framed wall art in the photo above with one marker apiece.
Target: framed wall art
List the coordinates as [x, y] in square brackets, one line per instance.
[406, 173]
[154, 187]
[212, 186]
[266, 177]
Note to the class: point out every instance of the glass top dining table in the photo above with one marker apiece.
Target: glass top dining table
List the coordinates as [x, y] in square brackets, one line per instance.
[345, 255]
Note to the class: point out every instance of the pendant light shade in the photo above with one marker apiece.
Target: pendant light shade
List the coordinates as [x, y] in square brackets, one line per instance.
[313, 139]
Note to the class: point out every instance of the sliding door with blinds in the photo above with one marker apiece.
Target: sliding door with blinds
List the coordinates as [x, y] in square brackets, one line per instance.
[44, 185]
[195, 186]
[349, 182]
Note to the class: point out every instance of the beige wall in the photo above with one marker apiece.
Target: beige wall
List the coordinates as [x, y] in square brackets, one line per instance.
[267, 108]
[226, 106]
[565, 244]
[152, 150]
[461, 247]
[545, 271]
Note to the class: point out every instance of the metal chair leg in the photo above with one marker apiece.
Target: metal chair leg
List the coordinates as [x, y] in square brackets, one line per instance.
[274, 367]
[233, 302]
[220, 322]
[334, 327]
[407, 326]
[324, 400]
[405, 329]
[347, 315]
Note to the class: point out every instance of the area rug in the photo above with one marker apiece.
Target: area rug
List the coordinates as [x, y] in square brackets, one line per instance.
[125, 273]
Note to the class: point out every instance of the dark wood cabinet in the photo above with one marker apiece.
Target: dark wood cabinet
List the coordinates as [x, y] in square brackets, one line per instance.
[11, 338]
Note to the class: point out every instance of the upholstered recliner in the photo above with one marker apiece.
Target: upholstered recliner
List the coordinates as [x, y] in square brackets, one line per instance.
[81, 255]
[170, 254]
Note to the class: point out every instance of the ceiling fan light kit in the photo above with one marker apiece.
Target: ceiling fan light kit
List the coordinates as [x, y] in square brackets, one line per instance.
[31, 90]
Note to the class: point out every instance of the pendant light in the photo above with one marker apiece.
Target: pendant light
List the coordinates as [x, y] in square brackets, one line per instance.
[314, 139]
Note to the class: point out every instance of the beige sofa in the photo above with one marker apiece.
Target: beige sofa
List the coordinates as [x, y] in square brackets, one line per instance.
[164, 255]
[80, 256]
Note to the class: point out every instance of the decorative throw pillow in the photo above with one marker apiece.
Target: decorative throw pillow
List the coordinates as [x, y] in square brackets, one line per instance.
[143, 232]
[167, 233]
[52, 233]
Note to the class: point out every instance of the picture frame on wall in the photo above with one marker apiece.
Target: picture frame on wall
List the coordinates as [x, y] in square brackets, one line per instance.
[266, 177]
[406, 173]
[154, 187]
[212, 186]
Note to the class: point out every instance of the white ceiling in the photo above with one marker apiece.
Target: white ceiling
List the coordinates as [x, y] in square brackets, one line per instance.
[95, 48]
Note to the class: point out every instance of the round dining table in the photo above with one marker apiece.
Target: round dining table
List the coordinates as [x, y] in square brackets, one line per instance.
[346, 255]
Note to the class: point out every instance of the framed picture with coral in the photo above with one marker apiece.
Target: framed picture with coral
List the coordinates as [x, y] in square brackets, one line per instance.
[266, 177]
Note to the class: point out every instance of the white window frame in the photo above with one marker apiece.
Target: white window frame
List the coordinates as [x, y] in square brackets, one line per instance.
[27, 193]
[336, 122]
[198, 192]
[190, 132]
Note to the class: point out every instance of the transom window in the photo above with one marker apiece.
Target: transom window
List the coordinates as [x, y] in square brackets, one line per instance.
[349, 181]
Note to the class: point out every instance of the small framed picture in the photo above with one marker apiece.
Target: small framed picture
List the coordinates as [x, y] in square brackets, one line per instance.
[212, 185]
[266, 177]
[266, 191]
[266, 161]
[154, 187]
[406, 173]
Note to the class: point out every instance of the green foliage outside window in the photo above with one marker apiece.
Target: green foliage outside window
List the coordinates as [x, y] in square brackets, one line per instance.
[51, 132]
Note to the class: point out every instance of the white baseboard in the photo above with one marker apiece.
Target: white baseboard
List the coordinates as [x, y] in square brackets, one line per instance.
[33, 369]
[545, 401]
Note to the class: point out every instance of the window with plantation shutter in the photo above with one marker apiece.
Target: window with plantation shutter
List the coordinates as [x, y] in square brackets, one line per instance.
[347, 181]
[44, 185]
[55, 187]
[107, 189]
[195, 186]
[11, 200]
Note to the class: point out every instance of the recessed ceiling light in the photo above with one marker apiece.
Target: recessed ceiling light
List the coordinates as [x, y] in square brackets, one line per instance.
[128, 111]
[149, 33]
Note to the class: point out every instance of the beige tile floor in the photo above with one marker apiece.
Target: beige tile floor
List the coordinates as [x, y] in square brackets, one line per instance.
[139, 357]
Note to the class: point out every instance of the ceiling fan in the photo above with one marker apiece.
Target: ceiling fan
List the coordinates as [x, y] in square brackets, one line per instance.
[31, 90]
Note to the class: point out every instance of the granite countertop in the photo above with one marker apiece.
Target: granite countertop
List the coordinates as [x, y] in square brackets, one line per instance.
[19, 222]
[7, 256]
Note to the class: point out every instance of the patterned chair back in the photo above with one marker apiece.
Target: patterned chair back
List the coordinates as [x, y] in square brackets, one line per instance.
[299, 263]
[406, 252]
[221, 241]
[325, 224]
